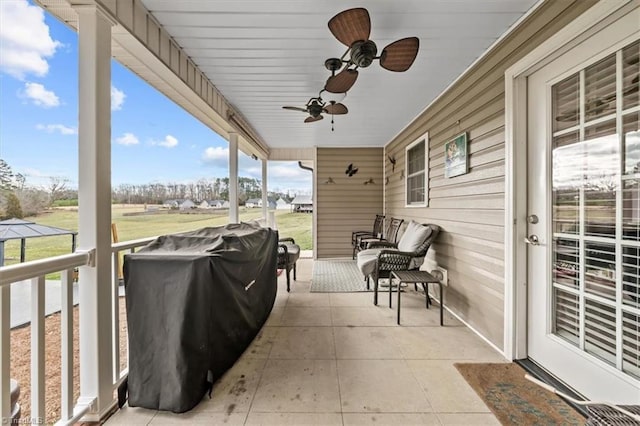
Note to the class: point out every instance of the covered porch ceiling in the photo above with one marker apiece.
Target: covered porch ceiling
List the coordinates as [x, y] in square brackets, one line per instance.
[262, 55]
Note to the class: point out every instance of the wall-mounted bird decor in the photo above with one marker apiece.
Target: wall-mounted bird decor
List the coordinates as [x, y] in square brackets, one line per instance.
[392, 160]
[369, 182]
[386, 181]
[329, 181]
[351, 170]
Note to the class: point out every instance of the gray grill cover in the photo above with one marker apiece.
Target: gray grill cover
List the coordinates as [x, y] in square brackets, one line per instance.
[195, 301]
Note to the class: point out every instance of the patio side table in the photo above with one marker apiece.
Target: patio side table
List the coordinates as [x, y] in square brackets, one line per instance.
[418, 277]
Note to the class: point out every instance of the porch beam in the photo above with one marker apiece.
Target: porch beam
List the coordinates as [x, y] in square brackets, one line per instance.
[94, 200]
[233, 178]
[265, 198]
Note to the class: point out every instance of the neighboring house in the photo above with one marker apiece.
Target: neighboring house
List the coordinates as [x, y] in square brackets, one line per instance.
[216, 204]
[282, 205]
[302, 204]
[204, 205]
[172, 204]
[257, 202]
[225, 204]
[187, 204]
[253, 202]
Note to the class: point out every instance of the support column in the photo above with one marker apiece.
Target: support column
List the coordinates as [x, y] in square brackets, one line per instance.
[94, 202]
[233, 178]
[265, 199]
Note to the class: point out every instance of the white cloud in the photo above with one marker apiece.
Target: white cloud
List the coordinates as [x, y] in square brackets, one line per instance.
[60, 128]
[40, 96]
[25, 43]
[128, 139]
[292, 171]
[216, 156]
[117, 98]
[168, 142]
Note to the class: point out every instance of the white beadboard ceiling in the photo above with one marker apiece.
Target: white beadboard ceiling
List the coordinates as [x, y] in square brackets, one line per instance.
[262, 55]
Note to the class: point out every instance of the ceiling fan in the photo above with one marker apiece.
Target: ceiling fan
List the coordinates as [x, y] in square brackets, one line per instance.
[315, 107]
[352, 28]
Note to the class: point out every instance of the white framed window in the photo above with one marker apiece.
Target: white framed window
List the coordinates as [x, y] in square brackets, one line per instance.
[417, 173]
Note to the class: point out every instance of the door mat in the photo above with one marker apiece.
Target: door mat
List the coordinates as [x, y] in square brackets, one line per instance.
[515, 400]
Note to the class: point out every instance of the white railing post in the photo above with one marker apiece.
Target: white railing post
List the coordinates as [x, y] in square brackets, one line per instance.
[5, 347]
[94, 201]
[66, 329]
[115, 303]
[37, 349]
[233, 178]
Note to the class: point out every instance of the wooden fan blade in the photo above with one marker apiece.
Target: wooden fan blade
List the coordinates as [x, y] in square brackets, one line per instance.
[336, 109]
[341, 82]
[311, 119]
[295, 108]
[351, 25]
[399, 55]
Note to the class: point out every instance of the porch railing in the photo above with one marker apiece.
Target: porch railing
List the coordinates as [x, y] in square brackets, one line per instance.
[36, 271]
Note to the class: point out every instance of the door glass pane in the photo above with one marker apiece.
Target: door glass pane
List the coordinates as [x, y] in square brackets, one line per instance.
[601, 166]
[630, 73]
[566, 103]
[566, 262]
[600, 330]
[631, 276]
[631, 141]
[631, 344]
[600, 269]
[600, 88]
[566, 195]
[631, 210]
[566, 315]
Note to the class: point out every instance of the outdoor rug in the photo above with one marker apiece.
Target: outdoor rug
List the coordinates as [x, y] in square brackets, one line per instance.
[337, 276]
[515, 400]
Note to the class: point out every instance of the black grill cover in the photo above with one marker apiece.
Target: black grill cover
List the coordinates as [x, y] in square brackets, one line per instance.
[195, 301]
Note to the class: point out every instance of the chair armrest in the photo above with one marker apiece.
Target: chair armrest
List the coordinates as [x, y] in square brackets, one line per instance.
[287, 240]
[394, 260]
[382, 244]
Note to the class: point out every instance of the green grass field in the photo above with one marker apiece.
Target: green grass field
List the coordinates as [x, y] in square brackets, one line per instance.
[296, 225]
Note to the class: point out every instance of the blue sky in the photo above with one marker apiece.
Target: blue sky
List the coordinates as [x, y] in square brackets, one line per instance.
[153, 139]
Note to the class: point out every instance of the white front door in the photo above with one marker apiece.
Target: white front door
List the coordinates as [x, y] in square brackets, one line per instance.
[583, 321]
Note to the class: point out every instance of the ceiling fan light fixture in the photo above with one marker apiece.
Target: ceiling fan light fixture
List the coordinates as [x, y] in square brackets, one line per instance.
[363, 53]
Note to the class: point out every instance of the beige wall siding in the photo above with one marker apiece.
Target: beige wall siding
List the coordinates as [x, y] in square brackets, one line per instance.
[470, 208]
[348, 205]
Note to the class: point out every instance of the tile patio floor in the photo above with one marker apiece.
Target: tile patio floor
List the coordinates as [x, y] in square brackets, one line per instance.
[335, 359]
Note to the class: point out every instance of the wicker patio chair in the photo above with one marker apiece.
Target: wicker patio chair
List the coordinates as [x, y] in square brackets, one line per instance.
[356, 236]
[414, 244]
[390, 235]
[288, 255]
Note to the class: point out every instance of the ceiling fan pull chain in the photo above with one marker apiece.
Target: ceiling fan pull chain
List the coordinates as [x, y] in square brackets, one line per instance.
[332, 122]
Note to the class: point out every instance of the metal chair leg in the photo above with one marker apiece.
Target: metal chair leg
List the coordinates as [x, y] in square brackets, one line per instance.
[294, 272]
[375, 292]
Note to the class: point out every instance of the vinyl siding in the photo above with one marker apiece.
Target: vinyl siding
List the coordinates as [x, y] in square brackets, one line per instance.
[470, 208]
[348, 205]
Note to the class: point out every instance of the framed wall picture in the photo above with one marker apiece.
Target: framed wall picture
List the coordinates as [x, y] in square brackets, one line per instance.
[456, 161]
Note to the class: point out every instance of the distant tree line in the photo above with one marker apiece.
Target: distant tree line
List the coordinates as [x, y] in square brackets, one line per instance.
[17, 199]
[203, 189]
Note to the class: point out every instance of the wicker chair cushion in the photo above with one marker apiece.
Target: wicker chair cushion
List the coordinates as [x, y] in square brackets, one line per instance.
[367, 261]
[414, 236]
